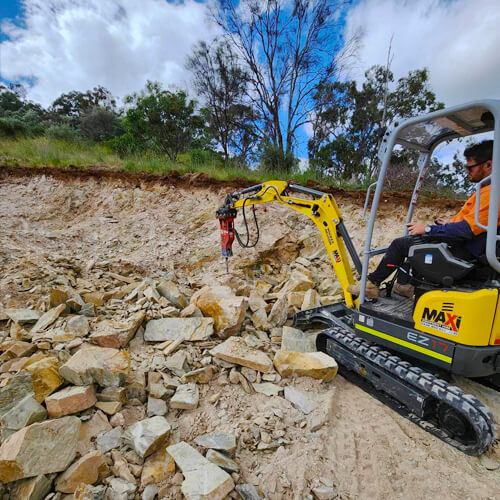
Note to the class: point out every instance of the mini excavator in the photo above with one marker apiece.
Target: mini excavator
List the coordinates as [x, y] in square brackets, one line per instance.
[400, 349]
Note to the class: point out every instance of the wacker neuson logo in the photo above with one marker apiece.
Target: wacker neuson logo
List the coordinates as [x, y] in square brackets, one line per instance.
[443, 320]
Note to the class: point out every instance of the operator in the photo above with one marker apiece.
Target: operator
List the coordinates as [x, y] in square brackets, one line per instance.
[462, 226]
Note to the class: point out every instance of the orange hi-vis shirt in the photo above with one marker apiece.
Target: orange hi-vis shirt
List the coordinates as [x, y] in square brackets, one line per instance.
[467, 211]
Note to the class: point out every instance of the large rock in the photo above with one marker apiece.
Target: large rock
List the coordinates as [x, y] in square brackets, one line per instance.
[48, 318]
[203, 479]
[35, 488]
[226, 309]
[279, 312]
[317, 365]
[116, 334]
[90, 429]
[86, 470]
[26, 412]
[158, 467]
[186, 397]
[45, 377]
[160, 330]
[311, 300]
[23, 316]
[92, 364]
[298, 282]
[41, 448]
[169, 290]
[235, 350]
[70, 400]
[19, 387]
[293, 339]
[147, 436]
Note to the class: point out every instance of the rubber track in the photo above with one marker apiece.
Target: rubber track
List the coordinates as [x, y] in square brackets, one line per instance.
[478, 415]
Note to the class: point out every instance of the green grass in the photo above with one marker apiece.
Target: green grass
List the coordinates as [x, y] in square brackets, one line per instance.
[44, 151]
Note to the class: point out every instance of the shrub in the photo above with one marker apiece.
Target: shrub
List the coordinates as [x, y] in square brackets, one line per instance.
[63, 133]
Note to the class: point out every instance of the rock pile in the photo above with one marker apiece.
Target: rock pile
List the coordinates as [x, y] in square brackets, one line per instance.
[104, 390]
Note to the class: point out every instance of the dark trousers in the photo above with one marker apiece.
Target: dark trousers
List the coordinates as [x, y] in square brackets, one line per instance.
[398, 251]
[395, 255]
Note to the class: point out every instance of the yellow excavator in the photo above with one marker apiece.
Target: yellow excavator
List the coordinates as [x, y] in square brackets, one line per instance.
[401, 349]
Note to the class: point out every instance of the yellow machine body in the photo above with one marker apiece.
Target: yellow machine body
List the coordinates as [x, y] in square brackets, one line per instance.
[467, 318]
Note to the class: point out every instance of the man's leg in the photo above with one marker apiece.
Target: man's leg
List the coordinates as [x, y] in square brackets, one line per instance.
[395, 255]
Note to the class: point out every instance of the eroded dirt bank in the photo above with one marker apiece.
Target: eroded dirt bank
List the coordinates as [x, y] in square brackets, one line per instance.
[81, 231]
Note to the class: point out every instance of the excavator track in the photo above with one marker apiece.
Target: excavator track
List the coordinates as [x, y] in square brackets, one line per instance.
[444, 410]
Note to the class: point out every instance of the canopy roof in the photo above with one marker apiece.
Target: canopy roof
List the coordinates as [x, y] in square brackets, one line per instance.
[426, 135]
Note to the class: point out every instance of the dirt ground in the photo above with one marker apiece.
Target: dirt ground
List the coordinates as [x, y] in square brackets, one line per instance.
[92, 225]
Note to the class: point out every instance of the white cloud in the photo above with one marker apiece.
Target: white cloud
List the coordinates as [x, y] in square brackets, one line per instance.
[79, 44]
[458, 40]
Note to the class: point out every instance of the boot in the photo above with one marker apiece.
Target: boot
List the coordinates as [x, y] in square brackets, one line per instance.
[404, 290]
[371, 290]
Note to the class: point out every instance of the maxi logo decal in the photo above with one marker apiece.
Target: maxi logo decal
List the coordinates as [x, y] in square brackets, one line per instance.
[336, 256]
[442, 320]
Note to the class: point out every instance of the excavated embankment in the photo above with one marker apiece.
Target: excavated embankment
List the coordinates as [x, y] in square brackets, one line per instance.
[119, 320]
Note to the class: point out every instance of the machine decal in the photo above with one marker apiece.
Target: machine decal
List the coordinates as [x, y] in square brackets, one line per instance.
[336, 256]
[433, 348]
[442, 320]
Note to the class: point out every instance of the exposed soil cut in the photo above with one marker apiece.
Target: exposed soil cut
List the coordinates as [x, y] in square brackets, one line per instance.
[69, 227]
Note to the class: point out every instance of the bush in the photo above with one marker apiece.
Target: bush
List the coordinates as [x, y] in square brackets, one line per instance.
[273, 159]
[63, 133]
[13, 127]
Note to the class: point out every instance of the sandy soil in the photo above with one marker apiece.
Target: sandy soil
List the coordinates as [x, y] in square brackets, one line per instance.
[86, 226]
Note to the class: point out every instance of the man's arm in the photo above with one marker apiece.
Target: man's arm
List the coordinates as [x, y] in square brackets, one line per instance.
[459, 229]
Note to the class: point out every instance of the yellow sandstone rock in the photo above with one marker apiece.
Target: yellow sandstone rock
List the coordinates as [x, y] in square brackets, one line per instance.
[45, 377]
[158, 467]
[317, 365]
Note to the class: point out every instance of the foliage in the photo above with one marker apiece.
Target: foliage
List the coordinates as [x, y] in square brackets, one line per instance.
[161, 121]
[75, 104]
[347, 125]
[222, 83]
[63, 132]
[272, 158]
[100, 124]
[286, 49]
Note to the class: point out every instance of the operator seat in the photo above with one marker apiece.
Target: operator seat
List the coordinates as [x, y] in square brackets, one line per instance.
[435, 263]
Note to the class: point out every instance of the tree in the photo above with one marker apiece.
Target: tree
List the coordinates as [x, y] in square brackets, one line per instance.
[73, 105]
[99, 124]
[286, 48]
[347, 121]
[162, 121]
[222, 83]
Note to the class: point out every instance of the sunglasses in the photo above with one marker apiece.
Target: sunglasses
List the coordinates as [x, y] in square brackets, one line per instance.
[470, 167]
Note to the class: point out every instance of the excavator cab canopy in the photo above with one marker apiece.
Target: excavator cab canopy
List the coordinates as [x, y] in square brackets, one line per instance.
[424, 134]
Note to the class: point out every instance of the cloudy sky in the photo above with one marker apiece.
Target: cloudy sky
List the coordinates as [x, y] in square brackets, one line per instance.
[63, 45]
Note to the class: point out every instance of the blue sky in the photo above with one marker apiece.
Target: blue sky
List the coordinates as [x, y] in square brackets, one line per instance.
[62, 45]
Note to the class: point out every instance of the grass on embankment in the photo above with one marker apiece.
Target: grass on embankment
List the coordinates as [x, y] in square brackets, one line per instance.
[44, 151]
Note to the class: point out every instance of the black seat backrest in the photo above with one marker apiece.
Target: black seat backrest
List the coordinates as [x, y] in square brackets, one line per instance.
[435, 263]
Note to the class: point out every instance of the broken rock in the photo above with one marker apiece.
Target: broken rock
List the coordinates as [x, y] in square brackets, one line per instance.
[86, 470]
[115, 334]
[147, 436]
[92, 364]
[23, 316]
[48, 318]
[226, 309]
[26, 412]
[41, 448]
[169, 290]
[186, 397]
[235, 350]
[70, 400]
[158, 467]
[34, 488]
[203, 479]
[160, 330]
[317, 365]
[222, 460]
[217, 441]
[293, 339]
[45, 377]
[300, 400]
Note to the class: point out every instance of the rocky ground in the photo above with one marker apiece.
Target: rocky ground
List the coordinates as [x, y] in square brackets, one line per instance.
[133, 366]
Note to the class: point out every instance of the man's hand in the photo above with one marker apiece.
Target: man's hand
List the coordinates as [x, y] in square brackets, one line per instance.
[416, 228]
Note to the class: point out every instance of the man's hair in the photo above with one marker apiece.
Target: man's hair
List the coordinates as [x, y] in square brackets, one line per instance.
[480, 152]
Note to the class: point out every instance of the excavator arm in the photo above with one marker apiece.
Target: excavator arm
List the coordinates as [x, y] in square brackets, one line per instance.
[322, 210]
